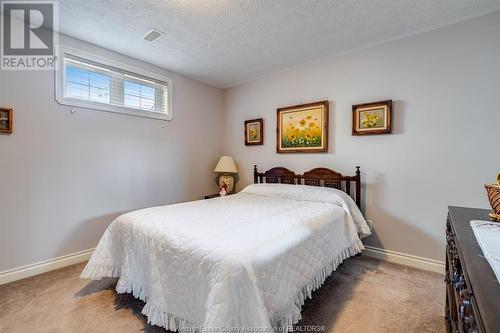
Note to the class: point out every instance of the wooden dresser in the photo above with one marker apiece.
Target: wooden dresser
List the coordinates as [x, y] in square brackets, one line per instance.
[472, 290]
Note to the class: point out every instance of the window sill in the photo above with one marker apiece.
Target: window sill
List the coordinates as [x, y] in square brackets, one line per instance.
[111, 108]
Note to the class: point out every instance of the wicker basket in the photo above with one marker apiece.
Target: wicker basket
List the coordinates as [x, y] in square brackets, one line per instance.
[494, 197]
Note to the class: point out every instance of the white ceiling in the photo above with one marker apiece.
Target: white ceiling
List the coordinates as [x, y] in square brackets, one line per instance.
[226, 42]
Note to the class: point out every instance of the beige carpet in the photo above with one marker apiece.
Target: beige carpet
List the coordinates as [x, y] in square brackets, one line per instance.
[364, 295]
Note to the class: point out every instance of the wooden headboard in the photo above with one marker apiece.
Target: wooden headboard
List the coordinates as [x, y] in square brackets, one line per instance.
[315, 177]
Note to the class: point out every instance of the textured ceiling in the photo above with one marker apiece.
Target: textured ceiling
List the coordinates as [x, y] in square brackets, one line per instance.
[226, 42]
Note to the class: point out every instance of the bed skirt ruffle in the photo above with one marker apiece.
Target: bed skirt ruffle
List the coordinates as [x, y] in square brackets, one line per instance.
[173, 323]
[293, 315]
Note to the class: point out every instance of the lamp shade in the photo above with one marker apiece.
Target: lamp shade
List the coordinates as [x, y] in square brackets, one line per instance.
[226, 164]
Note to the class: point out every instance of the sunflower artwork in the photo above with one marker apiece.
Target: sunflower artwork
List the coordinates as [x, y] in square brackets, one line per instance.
[303, 128]
[254, 132]
[372, 118]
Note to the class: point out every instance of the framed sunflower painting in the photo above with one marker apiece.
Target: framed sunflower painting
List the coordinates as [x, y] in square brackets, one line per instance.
[254, 132]
[303, 128]
[372, 118]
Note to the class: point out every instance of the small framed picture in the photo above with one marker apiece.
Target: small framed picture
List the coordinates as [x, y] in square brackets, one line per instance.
[372, 118]
[6, 120]
[303, 128]
[254, 132]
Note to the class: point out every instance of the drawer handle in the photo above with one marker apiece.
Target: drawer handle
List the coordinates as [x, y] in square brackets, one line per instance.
[466, 315]
[458, 281]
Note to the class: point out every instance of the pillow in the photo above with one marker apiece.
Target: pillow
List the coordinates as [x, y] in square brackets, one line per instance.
[316, 194]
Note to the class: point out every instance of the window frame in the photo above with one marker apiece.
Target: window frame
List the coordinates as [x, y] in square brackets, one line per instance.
[60, 79]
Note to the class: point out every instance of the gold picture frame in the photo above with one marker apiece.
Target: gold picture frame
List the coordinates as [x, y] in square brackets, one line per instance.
[302, 128]
[372, 118]
[6, 121]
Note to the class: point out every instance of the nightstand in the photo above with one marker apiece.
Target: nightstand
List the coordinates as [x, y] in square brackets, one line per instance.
[210, 196]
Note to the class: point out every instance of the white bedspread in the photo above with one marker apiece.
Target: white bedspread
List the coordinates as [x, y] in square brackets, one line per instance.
[241, 262]
[488, 236]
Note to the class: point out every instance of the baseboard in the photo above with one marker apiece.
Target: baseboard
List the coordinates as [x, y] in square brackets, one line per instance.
[23, 272]
[405, 259]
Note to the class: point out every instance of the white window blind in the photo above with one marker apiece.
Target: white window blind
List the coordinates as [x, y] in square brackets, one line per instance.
[92, 84]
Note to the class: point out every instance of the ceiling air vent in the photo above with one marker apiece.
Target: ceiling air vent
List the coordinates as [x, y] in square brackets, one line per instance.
[152, 35]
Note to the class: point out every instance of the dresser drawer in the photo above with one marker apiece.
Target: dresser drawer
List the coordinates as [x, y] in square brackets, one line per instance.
[472, 292]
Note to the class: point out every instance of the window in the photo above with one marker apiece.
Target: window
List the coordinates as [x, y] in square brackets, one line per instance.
[85, 84]
[83, 80]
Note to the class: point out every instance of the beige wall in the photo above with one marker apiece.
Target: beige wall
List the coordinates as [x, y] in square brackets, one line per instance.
[64, 177]
[445, 85]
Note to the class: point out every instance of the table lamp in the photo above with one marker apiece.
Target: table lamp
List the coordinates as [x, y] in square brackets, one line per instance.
[226, 168]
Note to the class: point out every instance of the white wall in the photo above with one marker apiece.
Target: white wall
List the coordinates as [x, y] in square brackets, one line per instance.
[65, 177]
[445, 85]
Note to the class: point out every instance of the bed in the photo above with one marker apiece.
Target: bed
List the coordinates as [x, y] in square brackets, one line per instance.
[244, 262]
